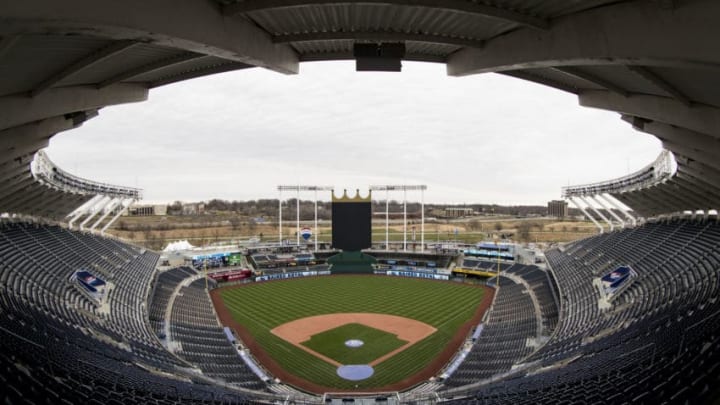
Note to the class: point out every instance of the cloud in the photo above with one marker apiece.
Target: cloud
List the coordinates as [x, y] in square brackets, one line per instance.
[486, 138]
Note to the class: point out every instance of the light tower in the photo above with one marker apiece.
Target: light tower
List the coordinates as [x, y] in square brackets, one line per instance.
[404, 189]
[297, 190]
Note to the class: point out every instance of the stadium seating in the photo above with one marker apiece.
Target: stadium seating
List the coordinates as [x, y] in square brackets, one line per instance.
[504, 337]
[163, 288]
[659, 341]
[542, 285]
[61, 345]
[471, 263]
[203, 342]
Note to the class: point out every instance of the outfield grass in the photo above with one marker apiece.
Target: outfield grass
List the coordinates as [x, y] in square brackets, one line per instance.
[263, 306]
[331, 343]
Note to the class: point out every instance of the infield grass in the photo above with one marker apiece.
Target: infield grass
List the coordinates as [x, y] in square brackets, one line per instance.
[260, 307]
[376, 343]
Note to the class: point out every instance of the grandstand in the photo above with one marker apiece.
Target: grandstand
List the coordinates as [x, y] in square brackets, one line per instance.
[85, 318]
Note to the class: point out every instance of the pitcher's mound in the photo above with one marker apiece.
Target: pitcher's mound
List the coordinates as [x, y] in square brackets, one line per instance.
[354, 343]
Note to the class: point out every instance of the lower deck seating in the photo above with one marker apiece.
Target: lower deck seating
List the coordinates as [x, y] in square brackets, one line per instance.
[504, 337]
[203, 342]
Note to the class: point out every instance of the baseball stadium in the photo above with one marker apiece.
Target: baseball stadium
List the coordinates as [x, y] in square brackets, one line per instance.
[628, 315]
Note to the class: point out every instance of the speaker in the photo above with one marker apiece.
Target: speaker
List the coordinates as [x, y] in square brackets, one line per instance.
[379, 57]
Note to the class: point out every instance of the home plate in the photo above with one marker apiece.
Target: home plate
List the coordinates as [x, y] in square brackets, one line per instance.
[355, 372]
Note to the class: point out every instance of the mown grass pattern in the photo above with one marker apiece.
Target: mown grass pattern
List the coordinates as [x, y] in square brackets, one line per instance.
[263, 306]
[331, 343]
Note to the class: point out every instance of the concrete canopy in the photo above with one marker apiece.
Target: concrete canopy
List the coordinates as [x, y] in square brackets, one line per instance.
[652, 61]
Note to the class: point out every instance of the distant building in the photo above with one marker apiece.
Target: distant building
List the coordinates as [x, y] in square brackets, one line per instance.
[147, 210]
[193, 208]
[558, 209]
[455, 212]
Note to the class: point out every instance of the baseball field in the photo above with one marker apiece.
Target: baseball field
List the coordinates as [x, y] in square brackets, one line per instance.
[306, 331]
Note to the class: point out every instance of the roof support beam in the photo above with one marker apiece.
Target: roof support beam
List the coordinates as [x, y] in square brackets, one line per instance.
[11, 186]
[658, 202]
[34, 205]
[599, 201]
[706, 174]
[457, 6]
[348, 55]
[590, 217]
[668, 4]
[580, 74]
[6, 43]
[227, 67]
[89, 60]
[678, 135]
[14, 169]
[28, 148]
[605, 36]
[614, 203]
[700, 188]
[690, 194]
[597, 211]
[38, 131]
[661, 83]
[702, 156]
[638, 208]
[700, 118]
[526, 75]
[16, 200]
[679, 199]
[150, 67]
[19, 110]
[683, 201]
[191, 26]
[390, 36]
[65, 206]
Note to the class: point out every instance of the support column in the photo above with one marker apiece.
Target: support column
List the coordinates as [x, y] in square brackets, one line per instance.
[316, 226]
[578, 206]
[297, 219]
[600, 214]
[82, 210]
[387, 219]
[93, 211]
[280, 217]
[610, 201]
[125, 205]
[108, 209]
[404, 220]
[422, 220]
[614, 215]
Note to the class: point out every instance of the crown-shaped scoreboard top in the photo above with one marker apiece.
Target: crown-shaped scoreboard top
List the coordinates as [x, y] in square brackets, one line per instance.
[356, 198]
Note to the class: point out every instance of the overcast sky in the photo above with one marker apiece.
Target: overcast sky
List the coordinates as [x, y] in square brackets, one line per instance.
[478, 139]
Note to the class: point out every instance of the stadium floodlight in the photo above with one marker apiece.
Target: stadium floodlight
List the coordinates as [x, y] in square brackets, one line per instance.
[298, 189]
[404, 188]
